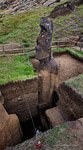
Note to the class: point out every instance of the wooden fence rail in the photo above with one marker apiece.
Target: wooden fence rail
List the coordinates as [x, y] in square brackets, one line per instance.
[9, 49]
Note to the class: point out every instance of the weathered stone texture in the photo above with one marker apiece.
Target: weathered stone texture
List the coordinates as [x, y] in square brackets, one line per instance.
[10, 131]
[47, 84]
[18, 95]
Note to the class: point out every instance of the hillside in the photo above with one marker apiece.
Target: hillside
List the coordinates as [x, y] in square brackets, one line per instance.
[24, 27]
[17, 6]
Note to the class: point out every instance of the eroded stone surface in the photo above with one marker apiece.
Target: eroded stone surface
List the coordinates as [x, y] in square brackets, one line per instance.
[43, 47]
[47, 84]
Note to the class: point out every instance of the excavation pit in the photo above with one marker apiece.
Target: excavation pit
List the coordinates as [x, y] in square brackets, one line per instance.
[29, 129]
[17, 94]
[69, 66]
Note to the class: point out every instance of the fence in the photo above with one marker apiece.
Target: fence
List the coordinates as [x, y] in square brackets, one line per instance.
[12, 49]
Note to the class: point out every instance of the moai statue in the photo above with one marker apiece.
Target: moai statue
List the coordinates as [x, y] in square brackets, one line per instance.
[48, 69]
[44, 43]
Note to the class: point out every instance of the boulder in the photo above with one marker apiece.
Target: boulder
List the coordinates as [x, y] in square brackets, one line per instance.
[10, 131]
[55, 116]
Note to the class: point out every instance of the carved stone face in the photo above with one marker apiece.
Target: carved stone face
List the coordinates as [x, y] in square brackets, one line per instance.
[46, 24]
[44, 41]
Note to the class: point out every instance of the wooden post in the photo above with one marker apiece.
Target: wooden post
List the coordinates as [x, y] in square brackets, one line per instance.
[23, 48]
[80, 46]
[3, 49]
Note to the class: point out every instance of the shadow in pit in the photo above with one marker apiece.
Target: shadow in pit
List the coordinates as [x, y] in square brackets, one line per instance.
[55, 99]
[28, 128]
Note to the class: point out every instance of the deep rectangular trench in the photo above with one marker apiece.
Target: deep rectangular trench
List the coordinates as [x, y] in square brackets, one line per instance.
[27, 128]
[40, 121]
[55, 98]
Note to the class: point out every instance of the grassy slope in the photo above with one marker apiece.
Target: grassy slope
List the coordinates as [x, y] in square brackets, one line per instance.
[25, 27]
[71, 24]
[22, 27]
[76, 83]
[59, 138]
[15, 68]
[78, 54]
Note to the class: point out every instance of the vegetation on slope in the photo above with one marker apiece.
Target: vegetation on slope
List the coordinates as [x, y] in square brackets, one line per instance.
[68, 25]
[59, 138]
[76, 83]
[73, 51]
[24, 28]
[13, 68]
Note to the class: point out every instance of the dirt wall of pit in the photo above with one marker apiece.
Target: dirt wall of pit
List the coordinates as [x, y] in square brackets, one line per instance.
[68, 67]
[70, 102]
[19, 95]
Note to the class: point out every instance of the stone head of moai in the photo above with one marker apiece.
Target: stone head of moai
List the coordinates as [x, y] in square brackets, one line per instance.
[44, 44]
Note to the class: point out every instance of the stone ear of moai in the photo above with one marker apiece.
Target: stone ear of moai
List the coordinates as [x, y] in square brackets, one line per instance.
[44, 44]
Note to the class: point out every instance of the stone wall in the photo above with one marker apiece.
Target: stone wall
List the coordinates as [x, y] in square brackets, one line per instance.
[19, 95]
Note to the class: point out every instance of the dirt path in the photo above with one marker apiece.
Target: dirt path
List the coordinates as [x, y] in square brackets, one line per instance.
[68, 67]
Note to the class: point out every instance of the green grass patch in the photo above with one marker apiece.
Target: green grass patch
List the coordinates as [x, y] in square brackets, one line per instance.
[55, 135]
[24, 27]
[15, 68]
[68, 25]
[76, 83]
[72, 51]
